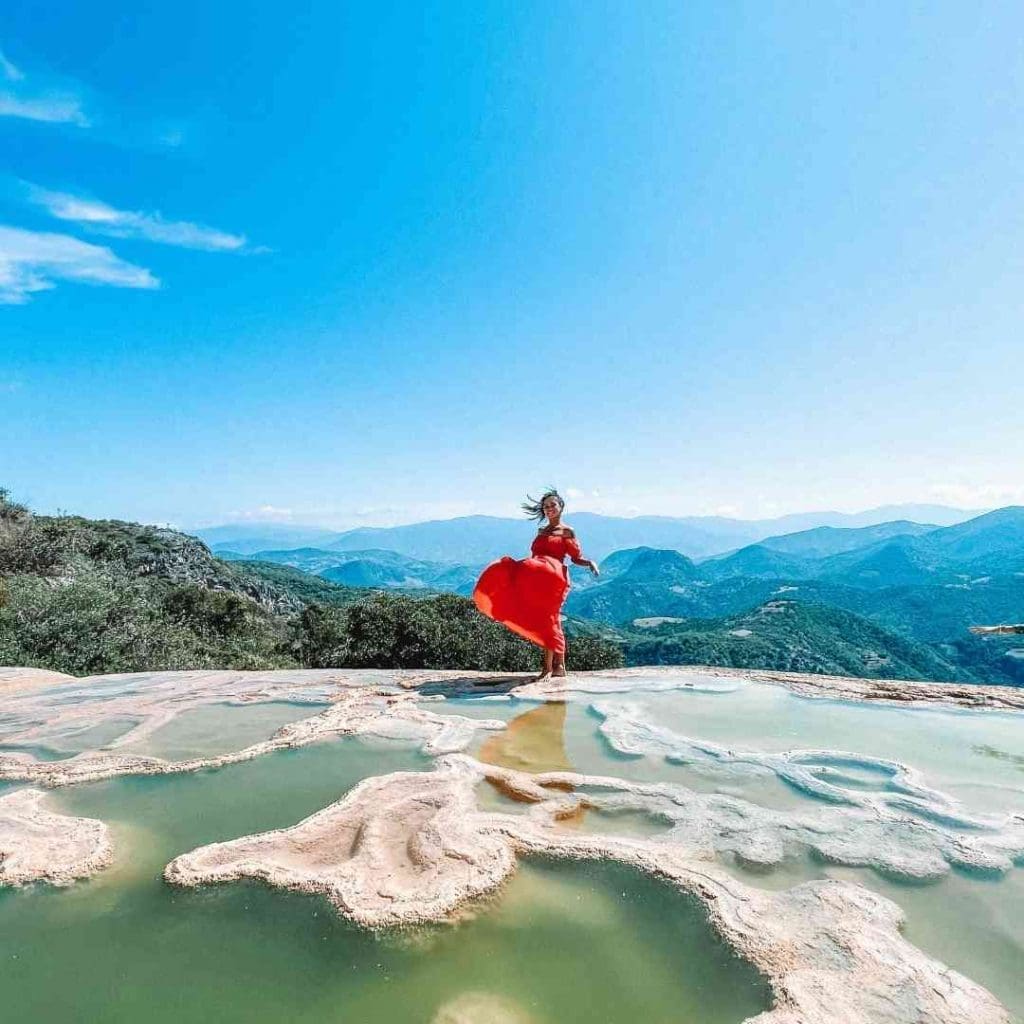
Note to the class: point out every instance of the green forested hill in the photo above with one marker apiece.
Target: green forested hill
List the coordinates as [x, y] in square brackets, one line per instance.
[794, 637]
[302, 586]
[85, 596]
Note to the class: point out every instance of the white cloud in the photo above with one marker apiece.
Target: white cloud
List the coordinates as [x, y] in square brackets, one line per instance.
[978, 495]
[59, 109]
[106, 220]
[11, 73]
[55, 107]
[172, 137]
[265, 514]
[33, 261]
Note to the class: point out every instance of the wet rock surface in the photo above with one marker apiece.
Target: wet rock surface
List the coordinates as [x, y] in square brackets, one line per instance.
[418, 846]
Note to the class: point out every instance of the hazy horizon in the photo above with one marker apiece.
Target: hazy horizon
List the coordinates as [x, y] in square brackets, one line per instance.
[276, 518]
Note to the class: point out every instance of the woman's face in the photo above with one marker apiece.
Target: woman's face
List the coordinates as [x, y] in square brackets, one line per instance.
[552, 508]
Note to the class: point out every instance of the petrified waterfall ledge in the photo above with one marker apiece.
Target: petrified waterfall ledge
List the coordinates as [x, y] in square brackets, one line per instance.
[354, 711]
[412, 847]
[416, 846]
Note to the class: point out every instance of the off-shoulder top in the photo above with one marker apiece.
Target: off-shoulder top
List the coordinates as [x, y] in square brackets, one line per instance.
[556, 546]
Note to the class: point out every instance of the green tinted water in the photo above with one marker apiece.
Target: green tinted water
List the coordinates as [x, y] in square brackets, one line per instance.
[973, 923]
[562, 943]
[219, 729]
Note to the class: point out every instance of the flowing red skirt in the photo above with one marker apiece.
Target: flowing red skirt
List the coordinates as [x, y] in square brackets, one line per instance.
[526, 595]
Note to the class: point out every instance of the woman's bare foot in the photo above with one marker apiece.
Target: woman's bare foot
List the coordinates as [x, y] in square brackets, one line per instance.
[546, 665]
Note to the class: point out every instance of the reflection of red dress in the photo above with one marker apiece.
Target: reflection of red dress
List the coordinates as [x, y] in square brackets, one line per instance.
[526, 595]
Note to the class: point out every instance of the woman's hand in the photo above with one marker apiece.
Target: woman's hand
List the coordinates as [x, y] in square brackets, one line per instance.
[592, 565]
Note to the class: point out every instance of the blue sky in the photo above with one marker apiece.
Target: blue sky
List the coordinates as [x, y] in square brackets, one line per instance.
[370, 263]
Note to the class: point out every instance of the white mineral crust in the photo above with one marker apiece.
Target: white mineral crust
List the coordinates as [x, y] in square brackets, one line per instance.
[412, 846]
[39, 846]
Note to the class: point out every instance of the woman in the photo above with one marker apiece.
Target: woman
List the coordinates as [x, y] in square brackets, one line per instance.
[527, 595]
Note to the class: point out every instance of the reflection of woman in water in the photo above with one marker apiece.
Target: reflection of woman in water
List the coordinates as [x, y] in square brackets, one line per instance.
[534, 742]
[527, 595]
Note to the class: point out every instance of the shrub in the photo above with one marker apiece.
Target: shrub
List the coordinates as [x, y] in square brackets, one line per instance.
[101, 620]
[322, 637]
[28, 545]
[393, 631]
[94, 623]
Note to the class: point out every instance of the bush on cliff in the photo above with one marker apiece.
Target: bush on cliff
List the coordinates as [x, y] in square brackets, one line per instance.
[103, 619]
[446, 631]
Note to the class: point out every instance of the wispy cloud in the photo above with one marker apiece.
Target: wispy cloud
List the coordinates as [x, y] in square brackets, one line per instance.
[266, 514]
[34, 261]
[979, 494]
[56, 106]
[106, 220]
[10, 72]
[59, 109]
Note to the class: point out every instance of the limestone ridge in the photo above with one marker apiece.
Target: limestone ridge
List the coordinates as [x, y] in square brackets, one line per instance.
[413, 847]
[355, 710]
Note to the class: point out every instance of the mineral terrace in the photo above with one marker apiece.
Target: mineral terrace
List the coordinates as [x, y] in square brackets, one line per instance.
[417, 846]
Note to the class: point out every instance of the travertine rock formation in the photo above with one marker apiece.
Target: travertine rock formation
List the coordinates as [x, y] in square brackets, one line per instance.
[416, 846]
[412, 847]
[38, 846]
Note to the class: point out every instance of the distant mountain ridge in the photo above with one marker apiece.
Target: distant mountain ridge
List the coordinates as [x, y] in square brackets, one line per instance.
[648, 581]
[832, 540]
[479, 539]
[372, 568]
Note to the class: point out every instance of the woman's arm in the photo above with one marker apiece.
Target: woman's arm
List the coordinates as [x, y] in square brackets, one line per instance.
[576, 554]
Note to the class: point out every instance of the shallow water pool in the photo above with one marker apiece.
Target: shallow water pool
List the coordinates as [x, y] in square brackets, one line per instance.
[561, 942]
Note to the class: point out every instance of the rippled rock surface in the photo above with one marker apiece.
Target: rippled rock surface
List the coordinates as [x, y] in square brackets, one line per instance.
[802, 815]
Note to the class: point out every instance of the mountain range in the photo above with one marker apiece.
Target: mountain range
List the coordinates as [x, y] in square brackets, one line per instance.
[888, 585]
[836, 565]
[372, 568]
[472, 540]
[961, 558]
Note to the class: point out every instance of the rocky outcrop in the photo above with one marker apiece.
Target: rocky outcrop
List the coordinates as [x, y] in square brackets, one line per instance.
[39, 846]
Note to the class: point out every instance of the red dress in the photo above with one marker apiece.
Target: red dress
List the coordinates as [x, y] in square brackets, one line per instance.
[526, 595]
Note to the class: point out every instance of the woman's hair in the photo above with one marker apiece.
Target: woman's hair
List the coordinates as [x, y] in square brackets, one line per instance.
[534, 507]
